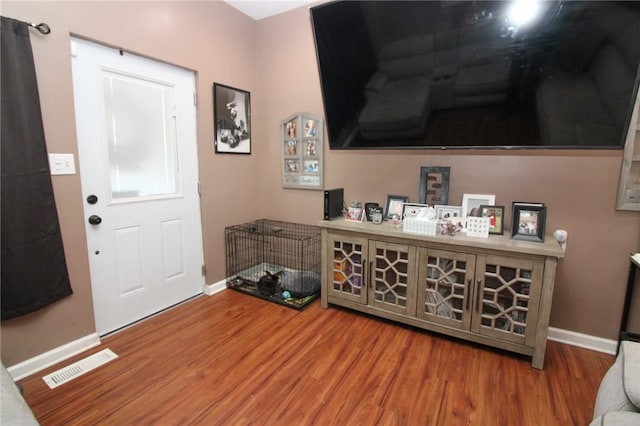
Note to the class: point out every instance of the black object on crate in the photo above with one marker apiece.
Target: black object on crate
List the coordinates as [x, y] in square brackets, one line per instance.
[274, 260]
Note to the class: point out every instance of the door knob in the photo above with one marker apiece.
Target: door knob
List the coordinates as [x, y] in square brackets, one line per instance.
[95, 220]
[92, 199]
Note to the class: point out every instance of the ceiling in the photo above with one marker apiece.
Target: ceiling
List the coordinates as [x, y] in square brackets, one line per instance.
[258, 9]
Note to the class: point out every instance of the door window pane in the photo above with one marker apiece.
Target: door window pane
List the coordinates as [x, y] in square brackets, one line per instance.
[141, 136]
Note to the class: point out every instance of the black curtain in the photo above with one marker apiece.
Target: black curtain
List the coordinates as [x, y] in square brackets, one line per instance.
[34, 272]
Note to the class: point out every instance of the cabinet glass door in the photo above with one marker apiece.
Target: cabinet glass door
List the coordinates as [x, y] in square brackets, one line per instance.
[446, 288]
[507, 287]
[348, 255]
[392, 275]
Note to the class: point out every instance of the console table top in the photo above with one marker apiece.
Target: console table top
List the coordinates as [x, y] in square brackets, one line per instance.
[550, 247]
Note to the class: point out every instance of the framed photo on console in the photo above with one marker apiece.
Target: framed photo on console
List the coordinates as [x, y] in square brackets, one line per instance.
[496, 218]
[302, 142]
[471, 203]
[448, 212]
[528, 221]
[394, 205]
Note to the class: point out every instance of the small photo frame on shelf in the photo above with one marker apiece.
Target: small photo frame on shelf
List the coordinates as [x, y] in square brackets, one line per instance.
[418, 211]
[448, 212]
[528, 221]
[434, 185]
[471, 203]
[355, 214]
[394, 205]
[232, 120]
[496, 218]
[368, 210]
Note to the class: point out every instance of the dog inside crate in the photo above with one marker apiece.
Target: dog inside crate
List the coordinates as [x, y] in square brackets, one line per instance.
[278, 261]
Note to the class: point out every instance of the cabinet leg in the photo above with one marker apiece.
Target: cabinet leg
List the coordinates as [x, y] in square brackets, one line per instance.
[538, 358]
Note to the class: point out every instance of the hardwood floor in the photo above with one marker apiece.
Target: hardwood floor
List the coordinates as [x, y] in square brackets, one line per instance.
[232, 359]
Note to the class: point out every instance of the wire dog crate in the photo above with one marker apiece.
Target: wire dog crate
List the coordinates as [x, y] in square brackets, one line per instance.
[274, 260]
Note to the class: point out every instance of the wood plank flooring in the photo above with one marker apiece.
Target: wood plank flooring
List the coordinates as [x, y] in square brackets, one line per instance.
[232, 359]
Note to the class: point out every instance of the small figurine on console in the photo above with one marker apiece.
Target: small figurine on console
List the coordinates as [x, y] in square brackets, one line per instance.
[448, 228]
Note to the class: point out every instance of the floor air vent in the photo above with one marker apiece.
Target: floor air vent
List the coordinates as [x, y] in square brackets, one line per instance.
[79, 368]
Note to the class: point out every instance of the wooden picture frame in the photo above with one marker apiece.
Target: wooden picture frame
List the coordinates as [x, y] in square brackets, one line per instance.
[232, 120]
[496, 218]
[528, 221]
[394, 205]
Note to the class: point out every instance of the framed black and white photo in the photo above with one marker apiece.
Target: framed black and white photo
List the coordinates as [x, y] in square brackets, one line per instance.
[232, 120]
[394, 206]
[528, 221]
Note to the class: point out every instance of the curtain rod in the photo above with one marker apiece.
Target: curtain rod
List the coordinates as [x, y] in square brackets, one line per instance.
[42, 27]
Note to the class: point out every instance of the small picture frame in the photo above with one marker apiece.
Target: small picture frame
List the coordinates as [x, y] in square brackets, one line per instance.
[451, 213]
[394, 205]
[528, 222]
[368, 210]
[471, 203]
[355, 214]
[496, 218]
[232, 120]
[418, 211]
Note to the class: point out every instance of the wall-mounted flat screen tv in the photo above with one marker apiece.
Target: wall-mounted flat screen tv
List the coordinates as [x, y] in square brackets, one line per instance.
[477, 74]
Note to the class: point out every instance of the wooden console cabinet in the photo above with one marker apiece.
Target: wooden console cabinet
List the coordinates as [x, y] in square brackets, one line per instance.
[495, 291]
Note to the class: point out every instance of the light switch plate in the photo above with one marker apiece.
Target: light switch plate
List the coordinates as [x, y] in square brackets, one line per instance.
[62, 164]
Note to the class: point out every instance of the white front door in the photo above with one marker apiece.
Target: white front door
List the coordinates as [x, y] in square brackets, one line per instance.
[136, 130]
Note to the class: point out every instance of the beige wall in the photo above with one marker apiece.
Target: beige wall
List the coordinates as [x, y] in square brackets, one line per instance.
[579, 187]
[210, 38]
[274, 59]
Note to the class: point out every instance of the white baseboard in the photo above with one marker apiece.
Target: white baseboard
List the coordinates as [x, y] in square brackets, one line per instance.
[211, 289]
[586, 341]
[47, 359]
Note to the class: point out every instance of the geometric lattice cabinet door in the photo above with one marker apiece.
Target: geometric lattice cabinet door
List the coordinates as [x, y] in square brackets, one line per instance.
[347, 272]
[446, 288]
[508, 287]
